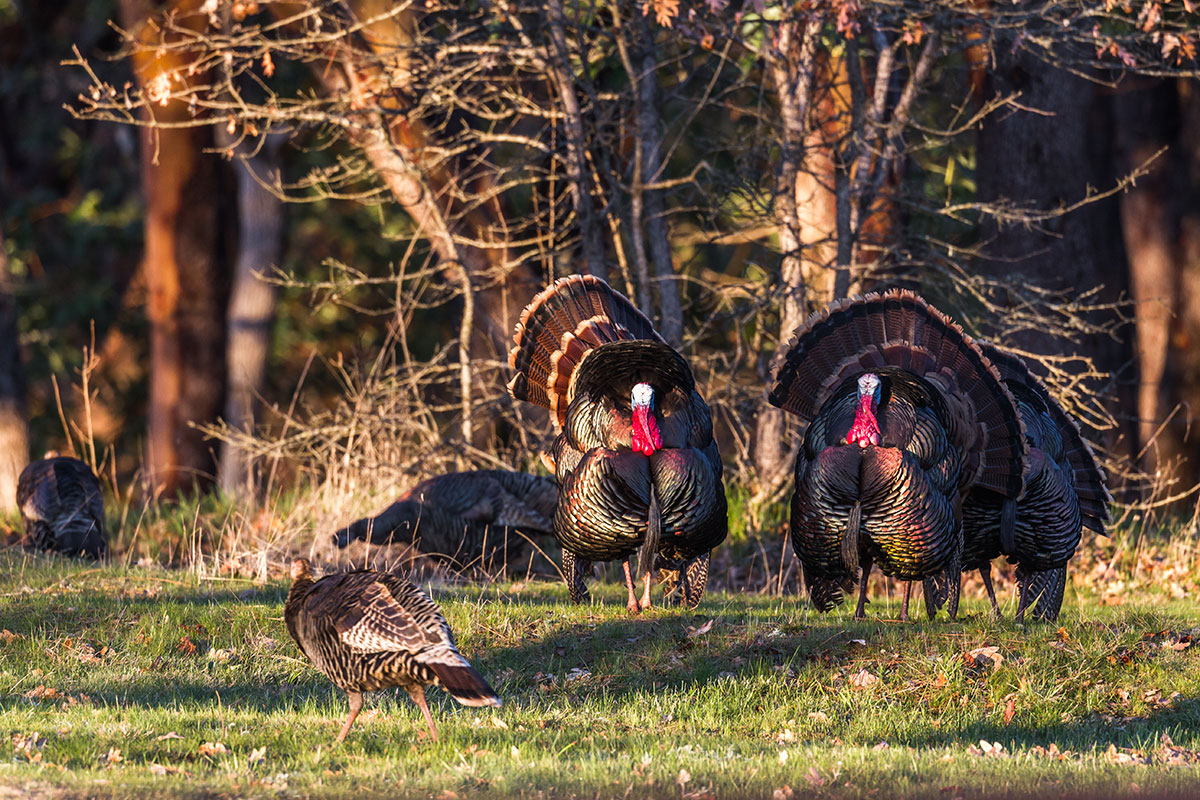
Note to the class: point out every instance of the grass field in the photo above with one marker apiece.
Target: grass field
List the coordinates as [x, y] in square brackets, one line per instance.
[130, 682]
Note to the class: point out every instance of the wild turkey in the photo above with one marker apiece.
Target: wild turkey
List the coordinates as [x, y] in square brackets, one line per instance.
[1064, 492]
[62, 507]
[468, 518]
[371, 630]
[905, 414]
[637, 467]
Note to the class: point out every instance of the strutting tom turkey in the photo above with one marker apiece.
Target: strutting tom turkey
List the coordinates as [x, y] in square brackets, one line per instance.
[1064, 493]
[62, 507]
[372, 630]
[637, 467]
[905, 414]
[474, 518]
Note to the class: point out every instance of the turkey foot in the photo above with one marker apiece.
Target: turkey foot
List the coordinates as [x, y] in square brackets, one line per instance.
[356, 704]
[632, 603]
[645, 602]
[985, 572]
[861, 611]
[418, 696]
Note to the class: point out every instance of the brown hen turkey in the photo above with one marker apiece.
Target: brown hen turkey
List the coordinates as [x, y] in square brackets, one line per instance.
[638, 470]
[1064, 493]
[62, 507]
[905, 415]
[372, 630]
[474, 518]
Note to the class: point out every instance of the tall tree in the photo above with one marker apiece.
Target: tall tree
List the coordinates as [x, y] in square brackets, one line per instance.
[14, 433]
[1160, 223]
[1064, 146]
[251, 304]
[183, 265]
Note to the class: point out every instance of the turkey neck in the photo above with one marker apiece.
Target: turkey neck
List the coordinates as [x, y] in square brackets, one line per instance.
[865, 429]
[295, 598]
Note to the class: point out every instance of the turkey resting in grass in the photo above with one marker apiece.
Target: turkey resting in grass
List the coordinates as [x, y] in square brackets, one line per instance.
[475, 518]
[62, 507]
[1064, 492]
[905, 414]
[637, 467]
[370, 630]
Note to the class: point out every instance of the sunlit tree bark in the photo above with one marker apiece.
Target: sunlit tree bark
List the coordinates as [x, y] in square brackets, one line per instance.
[14, 432]
[182, 266]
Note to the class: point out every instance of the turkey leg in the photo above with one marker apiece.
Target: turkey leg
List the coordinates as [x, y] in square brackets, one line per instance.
[632, 604]
[861, 611]
[356, 704]
[418, 696]
[985, 572]
[645, 604]
[907, 594]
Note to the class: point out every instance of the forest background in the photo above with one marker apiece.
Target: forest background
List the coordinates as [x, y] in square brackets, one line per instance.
[262, 260]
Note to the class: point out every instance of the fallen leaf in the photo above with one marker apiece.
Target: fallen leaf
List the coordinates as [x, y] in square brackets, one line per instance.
[186, 646]
[1010, 708]
[41, 692]
[165, 736]
[785, 735]
[8, 637]
[982, 657]
[212, 749]
[818, 716]
[783, 793]
[499, 723]
[683, 777]
[814, 777]
[692, 633]
[257, 755]
[783, 757]
[113, 756]
[863, 679]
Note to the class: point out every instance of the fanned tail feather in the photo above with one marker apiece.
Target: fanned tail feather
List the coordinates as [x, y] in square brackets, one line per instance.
[465, 684]
[575, 569]
[1041, 592]
[1090, 480]
[850, 537]
[649, 549]
[898, 329]
[559, 328]
[695, 579]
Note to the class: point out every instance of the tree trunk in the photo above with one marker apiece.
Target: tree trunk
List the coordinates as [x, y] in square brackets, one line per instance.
[670, 306]
[1149, 223]
[251, 307]
[397, 149]
[1160, 221]
[1183, 366]
[578, 174]
[804, 214]
[184, 276]
[1046, 160]
[14, 431]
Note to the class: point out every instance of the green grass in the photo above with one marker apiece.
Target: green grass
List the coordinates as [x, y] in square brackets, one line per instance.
[155, 663]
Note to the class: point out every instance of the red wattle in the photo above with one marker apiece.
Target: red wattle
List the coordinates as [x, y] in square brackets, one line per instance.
[645, 436]
[865, 430]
